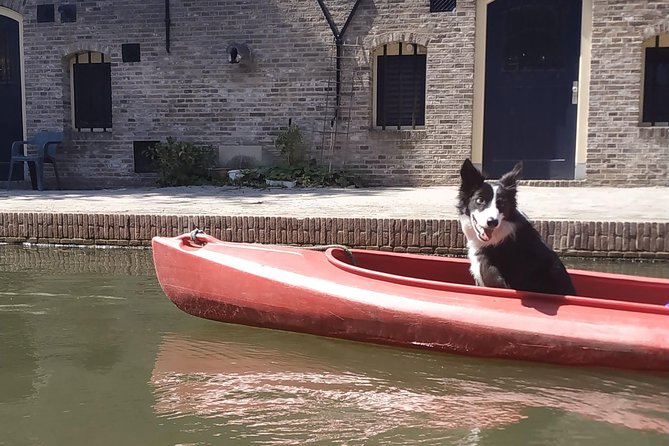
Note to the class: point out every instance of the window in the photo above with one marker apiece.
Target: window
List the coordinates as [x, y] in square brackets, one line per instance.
[45, 13]
[655, 99]
[68, 13]
[131, 52]
[442, 5]
[143, 163]
[400, 85]
[91, 91]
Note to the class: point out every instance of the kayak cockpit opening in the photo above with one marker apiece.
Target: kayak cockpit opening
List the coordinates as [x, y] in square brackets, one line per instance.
[448, 273]
[409, 266]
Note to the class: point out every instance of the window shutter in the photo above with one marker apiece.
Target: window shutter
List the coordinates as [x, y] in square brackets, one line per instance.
[92, 96]
[401, 91]
[656, 85]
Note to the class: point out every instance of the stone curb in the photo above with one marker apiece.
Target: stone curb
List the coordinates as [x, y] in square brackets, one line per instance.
[625, 240]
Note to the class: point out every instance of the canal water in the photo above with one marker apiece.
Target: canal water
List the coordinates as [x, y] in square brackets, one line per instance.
[92, 352]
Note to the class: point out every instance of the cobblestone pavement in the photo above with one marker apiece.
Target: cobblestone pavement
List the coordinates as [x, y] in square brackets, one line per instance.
[649, 204]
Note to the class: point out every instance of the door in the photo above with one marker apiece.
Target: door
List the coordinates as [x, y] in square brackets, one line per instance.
[11, 115]
[531, 86]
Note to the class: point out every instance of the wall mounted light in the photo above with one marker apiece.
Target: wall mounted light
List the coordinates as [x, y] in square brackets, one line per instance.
[238, 53]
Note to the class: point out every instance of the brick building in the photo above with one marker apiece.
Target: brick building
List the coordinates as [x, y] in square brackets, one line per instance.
[578, 89]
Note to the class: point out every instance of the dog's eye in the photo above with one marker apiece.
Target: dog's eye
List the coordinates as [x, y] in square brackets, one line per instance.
[480, 200]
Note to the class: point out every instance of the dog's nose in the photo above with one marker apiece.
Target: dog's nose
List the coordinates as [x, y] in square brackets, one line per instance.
[492, 222]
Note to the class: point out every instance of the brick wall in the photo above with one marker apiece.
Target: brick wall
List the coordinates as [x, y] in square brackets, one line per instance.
[620, 151]
[194, 94]
[645, 240]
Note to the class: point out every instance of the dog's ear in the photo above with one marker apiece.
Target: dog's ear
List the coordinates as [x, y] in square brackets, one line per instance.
[509, 179]
[471, 177]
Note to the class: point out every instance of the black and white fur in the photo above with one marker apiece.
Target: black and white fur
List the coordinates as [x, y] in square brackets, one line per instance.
[504, 249]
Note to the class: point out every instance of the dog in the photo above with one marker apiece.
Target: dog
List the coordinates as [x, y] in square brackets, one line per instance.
[503, 247]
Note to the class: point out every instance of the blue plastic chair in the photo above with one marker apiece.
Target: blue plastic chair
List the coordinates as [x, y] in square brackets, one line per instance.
[45, 144]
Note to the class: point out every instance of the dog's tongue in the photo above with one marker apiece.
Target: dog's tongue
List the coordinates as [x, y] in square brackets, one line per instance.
[484, 233]
[488, 233]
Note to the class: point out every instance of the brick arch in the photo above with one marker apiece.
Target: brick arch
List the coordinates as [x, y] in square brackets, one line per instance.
[383, 39]
[655, 30]
[15, 5]
[404, 37]
[83, 47]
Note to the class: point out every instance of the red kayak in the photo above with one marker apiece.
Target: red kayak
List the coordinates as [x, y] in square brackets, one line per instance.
[417, 301]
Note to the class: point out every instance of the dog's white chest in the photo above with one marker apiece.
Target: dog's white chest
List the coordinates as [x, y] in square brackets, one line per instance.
[473, 245]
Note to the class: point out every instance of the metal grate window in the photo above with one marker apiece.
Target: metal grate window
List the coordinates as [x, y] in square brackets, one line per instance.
[400, 89]
[131, 52]
[68, 13]
[656, 85]
[92, 92]
[143, 164]
[442, 5]
[46, 13]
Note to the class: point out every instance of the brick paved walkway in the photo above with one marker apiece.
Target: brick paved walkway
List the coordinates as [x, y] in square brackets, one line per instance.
[581, 221]
[540, 203]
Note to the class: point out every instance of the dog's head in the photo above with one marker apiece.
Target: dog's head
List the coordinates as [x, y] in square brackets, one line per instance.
[488, 206]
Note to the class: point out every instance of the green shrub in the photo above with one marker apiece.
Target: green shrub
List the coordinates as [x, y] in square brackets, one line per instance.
[292, 146]
[306, 175]
[312, 175]
[251, 178]
[181, 163]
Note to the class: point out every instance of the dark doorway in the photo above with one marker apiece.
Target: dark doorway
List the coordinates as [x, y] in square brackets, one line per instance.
[532, 61]
[11, 116]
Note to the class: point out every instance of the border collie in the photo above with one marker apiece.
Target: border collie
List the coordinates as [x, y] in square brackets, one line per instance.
[504, 249]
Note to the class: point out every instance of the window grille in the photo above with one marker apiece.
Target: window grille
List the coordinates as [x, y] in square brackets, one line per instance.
[46, 13]
[400, 98]
[131, 52]
[92, 92]
[442, 5]
[656, 85]
[68, 13]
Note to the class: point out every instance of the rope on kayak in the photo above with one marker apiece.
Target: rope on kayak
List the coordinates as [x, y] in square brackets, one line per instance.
[348, 252]
[194, 233]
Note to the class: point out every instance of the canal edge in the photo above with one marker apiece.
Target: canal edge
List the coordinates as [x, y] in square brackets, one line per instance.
[590, 239]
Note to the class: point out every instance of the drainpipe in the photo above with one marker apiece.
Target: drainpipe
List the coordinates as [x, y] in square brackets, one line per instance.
[168, 24]
[339, 42]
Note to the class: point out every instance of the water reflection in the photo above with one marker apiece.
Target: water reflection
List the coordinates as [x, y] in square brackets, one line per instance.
[366, 393]
[18, 364]
[90, 348]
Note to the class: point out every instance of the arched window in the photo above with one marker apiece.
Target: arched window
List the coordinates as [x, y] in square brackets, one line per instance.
[90, 74]
[655, 96]
[399, 87]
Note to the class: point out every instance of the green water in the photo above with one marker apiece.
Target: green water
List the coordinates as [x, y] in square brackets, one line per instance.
[92, 352]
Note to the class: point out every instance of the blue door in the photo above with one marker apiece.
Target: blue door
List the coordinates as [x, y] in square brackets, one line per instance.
[532, 61]
[11, 120]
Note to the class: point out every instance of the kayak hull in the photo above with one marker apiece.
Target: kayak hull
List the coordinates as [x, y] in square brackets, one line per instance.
[396, 299]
